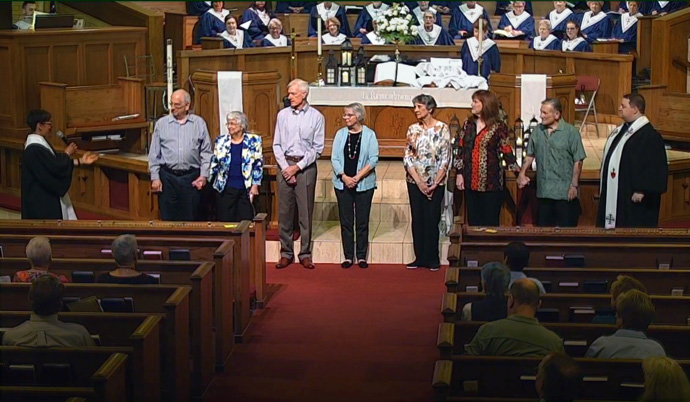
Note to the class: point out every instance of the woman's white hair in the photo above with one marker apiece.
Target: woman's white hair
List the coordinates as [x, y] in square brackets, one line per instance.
[239, 117]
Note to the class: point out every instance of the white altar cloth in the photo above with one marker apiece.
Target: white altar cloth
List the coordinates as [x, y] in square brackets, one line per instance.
[388, 96]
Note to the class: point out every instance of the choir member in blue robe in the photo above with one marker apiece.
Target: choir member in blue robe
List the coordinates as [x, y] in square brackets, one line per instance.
[519, 23]
[558, 17]
[326, 10]
[545, 40]
[255, 19]
[431, 34]
[422, 7]
[665, 7]
[595, 23]
[573, 41]
[626, 29]
[643, 7]
[234, 38]
[372, 38]
[294, 7]
[197, 8]
[463, 18]
[275, 36]
[503, 7]
[491, 60]
[333, 36]
[212, 22]
[583, 6]
[370, 12]
[443, 7]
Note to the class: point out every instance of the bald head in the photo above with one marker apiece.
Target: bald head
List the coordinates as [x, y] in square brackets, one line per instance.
[180, 101]
[523, 298]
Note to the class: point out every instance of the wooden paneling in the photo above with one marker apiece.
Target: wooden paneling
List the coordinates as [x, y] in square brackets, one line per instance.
[37, 69]
[98, 61]
[6, 108]
[63, 71]
[670, 34]
[668, 111]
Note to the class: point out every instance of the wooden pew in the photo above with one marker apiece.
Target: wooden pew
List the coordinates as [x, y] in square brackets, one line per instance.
[672, 310]
[169, 300]
[571, 280]
[100, 374]
[504, 377]
[452, 338]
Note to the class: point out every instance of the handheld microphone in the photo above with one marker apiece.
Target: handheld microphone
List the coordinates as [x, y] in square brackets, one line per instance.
[62, 137]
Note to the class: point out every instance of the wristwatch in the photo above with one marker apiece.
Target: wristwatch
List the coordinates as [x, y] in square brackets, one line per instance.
[339, 176]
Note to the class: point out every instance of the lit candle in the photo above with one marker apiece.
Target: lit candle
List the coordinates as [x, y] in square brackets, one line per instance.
[318, 49]
[346, 77]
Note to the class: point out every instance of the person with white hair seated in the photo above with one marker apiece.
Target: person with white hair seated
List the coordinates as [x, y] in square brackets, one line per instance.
[369, 13]
[431, 34]
[495, 279]
[333, 36]
[420, 8]
[212, 22]
[234, 38]
[518, 23]
[125, 251]
[546, 40]
[275, 36]
[256, 18]
[491, 61]
[463, 18]
[559, 17]
[595, 23]
[325, 11]
[40, 255]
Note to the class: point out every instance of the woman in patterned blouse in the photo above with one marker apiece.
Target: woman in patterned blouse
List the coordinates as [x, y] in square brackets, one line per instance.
[481, 146]
[427, 158]
[236, 170]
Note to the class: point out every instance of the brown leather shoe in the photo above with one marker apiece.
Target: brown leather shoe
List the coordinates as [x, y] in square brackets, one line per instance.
[306, 263]
[283, 263]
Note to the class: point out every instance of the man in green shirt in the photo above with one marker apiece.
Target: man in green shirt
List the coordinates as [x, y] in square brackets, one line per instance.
[520, 334]
[557, 147]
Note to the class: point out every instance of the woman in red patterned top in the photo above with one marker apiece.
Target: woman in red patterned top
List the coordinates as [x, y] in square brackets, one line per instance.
[40, 254]
[481, 147]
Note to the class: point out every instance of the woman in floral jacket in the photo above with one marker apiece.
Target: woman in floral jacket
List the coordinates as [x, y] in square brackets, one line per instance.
[236, 170]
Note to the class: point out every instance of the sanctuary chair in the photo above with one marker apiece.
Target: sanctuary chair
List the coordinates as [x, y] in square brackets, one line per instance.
[588, 86]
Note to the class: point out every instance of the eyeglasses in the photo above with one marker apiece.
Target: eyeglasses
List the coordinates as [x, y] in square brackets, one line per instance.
[348, 115]
[48, 123]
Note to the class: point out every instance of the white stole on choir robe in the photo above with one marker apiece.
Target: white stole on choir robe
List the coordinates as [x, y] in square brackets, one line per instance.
[628, 21]
[588, 19]
[570, 45]
[220, 15]
[237, 40]
[612, 175]
[473, 46]
[556, 18]
[430, 38]
[326, 13]
[281, 41]
[663, 4]
[329, 39]
[516, 20]
[376, 12]
[375, 39]
[472, 14]
[540, 44]
[68, 213]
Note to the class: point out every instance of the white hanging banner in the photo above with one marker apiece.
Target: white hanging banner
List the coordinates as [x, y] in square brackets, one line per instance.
[229, 96]
[532, 93]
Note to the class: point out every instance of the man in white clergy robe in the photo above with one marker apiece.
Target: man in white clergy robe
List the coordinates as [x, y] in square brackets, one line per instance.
[422, 7]
[634, 170]
[431, 34]
[28, 8]
[463, 18]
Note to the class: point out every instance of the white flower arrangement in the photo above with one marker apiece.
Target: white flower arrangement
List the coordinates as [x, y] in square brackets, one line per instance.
[395, 25]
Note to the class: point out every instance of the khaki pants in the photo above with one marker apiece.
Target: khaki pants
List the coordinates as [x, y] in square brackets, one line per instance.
[301, 194]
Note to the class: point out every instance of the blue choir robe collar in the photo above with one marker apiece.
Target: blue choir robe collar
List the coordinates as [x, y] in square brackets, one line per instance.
[472, 14]
[376, 12]
[281, 41]
[628, 21]
[329, 39]
[263, 16]
[237, 40]
[571, 44]
[517, 20]
[430, 38]
[325, 13]
[375, 39]
[555, 18]
[220, 15]
[589, 20]
[540, 44]
[419, 14]
[473, 46]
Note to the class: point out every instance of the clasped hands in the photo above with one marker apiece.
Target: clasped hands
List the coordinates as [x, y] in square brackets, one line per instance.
[427, 190]
[350, 182]
[289, 174]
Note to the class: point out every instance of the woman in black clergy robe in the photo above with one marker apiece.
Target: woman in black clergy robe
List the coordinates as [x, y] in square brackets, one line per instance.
[46, 173]
[634, 171]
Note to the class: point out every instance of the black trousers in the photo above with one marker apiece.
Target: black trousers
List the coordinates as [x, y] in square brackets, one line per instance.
[354, 209]
[561, 213]
[426, 215]
[483, 207]
[179, 201]
[232, 205]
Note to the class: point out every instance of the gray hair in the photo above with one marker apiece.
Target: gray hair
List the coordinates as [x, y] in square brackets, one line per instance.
[275, 21]
[125, 250]
[187, 98]
[39, 252]
[358, 110]
[496, 278]
[426, 100]
[428, 12]
[554, 103]
[546, 23]
[302, 85]
[239, 117]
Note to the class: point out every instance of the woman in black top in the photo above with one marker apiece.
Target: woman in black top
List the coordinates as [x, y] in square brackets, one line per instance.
[495, 280]
[124, 250]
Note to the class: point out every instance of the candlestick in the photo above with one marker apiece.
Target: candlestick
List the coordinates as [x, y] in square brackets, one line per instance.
[318, 45]
[169, 69]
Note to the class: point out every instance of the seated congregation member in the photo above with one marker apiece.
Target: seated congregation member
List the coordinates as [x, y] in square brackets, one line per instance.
[545, 40]
[504, 7]
[43, 328]
[595, 23]
[236, 169]
[369, 13]
[463, 18]
[518, 23]
[559, 378]
[495, 279]
[516, 258]
[125, 251]
[420, 8]
[275, 36]
[520, 334]
[622, 284]
[665, 7]
[27, 14]
[354, 158]
[573, 40]
[559, 17]
[431, 34]
[234, 38]
[294, 7]
[326, 11]
[664, 380]
[469, 53]
[40, 254]
[372, 37]
[557, 147]
[255, 20]
[212, 22]
[626, 29]
[426, 161]
[333, 35]
[483, 145]
[634, 313]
